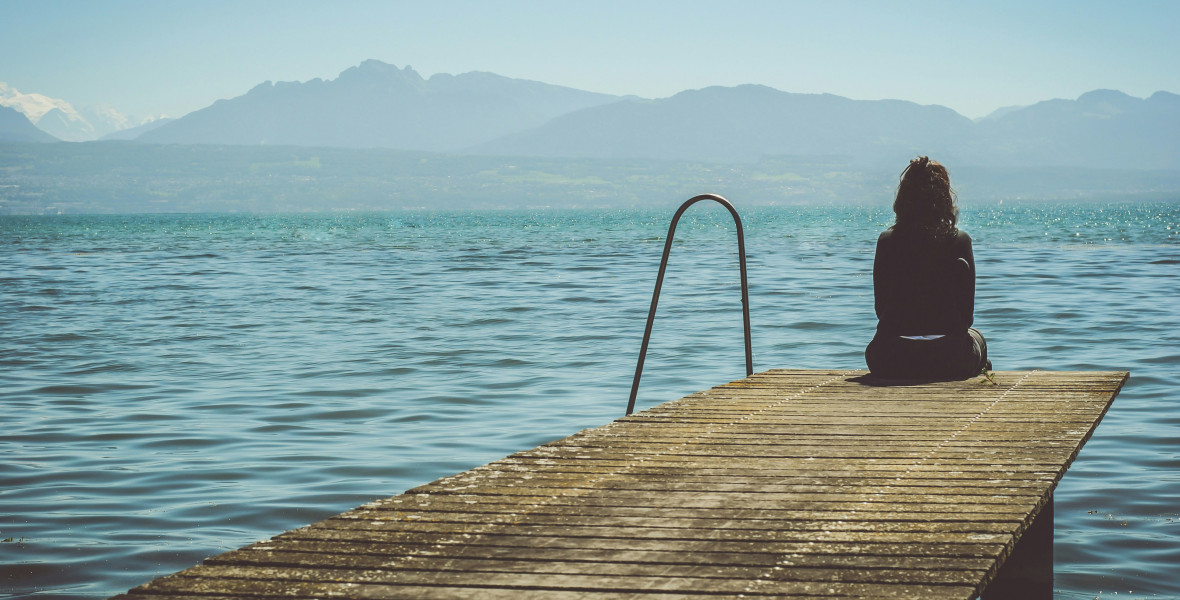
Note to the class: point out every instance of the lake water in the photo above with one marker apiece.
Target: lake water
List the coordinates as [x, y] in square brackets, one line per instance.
[176, 386]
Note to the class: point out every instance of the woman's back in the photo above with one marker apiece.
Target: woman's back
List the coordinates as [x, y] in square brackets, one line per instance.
[923, 284]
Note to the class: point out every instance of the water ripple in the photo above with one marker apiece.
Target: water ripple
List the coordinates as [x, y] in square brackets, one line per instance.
[176, 386]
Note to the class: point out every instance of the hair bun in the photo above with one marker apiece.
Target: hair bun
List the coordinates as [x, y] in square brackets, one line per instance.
[921, 162]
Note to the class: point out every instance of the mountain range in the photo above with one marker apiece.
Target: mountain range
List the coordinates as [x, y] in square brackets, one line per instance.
[743, 123]
[63, 121]
[378, 105]
[1103, 128]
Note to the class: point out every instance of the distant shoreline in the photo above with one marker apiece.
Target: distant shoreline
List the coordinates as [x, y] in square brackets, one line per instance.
[130, 178]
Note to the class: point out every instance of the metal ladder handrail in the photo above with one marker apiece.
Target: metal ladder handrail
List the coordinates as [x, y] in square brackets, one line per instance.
[655, 297]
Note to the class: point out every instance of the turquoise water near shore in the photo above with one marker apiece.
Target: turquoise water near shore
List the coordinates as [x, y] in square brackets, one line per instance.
[174, 386]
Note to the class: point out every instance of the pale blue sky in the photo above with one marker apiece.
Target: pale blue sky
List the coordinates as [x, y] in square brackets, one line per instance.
[175, 56]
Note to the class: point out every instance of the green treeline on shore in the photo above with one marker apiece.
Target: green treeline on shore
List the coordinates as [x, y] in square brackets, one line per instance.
[125, 177]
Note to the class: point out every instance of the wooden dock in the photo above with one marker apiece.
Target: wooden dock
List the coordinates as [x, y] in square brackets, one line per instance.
[786, 483]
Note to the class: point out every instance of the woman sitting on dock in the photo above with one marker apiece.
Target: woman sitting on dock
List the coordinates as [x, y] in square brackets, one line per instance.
[924, 285]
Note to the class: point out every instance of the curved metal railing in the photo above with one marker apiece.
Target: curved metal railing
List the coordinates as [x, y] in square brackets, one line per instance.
[655, 296]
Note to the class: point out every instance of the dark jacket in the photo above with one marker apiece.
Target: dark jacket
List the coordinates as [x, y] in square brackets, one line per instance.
[923, 286]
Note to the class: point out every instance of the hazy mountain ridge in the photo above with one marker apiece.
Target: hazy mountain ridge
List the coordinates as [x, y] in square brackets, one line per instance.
[16, 127]
[1102, 128]
[742, 123]
[378, 105]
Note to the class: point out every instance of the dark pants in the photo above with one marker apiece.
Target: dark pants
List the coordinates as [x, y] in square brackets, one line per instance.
[956, 356]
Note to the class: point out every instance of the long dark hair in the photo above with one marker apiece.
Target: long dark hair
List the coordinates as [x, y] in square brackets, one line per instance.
[925, 200]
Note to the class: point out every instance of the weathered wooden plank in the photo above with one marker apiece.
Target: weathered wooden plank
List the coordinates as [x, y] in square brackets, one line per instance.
[554, 574]
[456, 557]
[505, 532]
[786, 483]
[769, 499]
[893, 504]
[768, 452]
[1048, 456]
[516, 483]
[376, 542]
[675, 465]
[863, 512]
[818, 568]
[544, 587]
[674, 524]
[686, 478]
